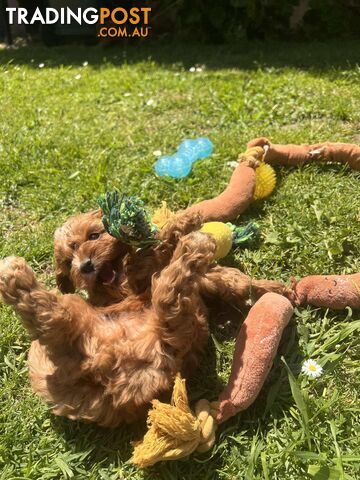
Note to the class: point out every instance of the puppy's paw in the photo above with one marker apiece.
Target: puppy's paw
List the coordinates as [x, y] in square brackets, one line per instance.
[9, 264]
[197, 249]
[6, 264]
[15, 273]
[199, 242]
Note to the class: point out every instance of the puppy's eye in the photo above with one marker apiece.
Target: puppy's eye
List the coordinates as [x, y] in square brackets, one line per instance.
[94, 236]
[74, 246]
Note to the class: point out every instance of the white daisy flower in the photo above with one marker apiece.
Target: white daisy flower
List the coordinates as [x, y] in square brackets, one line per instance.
[311, 368]
[150, 102]
[85, 64]
[199, 69]
[157, 153]
[192, 69]
[127, 94]
[77, 77]
[41, 65]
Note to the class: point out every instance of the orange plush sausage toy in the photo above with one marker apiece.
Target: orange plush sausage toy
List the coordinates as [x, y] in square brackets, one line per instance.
[175, 431]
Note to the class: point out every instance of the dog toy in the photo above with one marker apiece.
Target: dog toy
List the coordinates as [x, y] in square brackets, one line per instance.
[255, 350]
[229, 236]
[254, 178]
[175, 431]
[180, 432]
[197, 149]
[179, 165]
[276, 154]
[175, 166]
[265, 181]
[330, 291]
[126, 219]
[251, 180]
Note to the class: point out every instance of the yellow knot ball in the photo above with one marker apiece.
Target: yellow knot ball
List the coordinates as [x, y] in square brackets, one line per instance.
[265, 179]
[222, 233]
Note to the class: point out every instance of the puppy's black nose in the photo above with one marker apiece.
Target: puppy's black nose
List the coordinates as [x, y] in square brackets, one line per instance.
[87, 266]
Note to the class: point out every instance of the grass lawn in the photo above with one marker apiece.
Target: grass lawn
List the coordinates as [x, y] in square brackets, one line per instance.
[69, 131]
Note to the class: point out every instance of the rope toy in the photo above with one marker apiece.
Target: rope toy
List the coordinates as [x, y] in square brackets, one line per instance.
[174, 430]
[126, 219]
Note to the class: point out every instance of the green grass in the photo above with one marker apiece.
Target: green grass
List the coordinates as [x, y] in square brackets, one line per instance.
[64, 139]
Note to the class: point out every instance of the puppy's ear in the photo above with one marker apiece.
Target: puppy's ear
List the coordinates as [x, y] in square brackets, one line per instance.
[62, 268]
[96, 213]
[62, 275]
[64, 283]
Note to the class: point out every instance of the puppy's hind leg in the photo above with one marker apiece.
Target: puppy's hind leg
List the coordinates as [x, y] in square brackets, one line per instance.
[233, 286]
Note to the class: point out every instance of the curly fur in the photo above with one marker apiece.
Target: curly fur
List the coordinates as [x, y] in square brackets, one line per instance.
[146, 318]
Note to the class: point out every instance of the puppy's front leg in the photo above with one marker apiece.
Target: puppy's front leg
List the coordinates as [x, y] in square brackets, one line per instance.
[54, 318]
[175, 293]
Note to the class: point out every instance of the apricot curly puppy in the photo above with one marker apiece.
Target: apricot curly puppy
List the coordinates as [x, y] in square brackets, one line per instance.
[106, 358]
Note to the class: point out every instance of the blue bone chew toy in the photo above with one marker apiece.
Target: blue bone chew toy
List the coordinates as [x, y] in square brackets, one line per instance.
[179, 165]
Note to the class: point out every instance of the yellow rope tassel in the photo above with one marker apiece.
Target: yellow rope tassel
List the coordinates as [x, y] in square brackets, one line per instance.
[162, 215]
[252, 155]
[174, 430]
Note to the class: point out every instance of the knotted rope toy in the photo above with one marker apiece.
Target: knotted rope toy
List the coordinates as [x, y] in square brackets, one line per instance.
[125, 218]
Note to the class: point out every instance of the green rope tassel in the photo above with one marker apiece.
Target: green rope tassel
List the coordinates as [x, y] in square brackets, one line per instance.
[125, 218]
[244, 235]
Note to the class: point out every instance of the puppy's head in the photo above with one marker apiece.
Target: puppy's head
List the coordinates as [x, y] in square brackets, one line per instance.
[86, 256]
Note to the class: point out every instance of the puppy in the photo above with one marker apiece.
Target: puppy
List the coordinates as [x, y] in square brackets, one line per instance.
[105, 358]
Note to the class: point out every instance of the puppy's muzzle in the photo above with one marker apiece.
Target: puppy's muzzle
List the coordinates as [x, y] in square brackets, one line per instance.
[87, 266]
